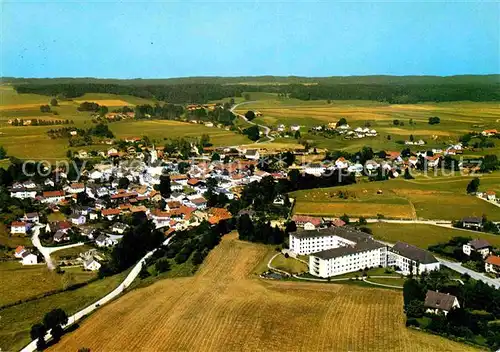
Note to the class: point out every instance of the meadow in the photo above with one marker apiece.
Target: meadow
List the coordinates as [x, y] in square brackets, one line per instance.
[423, 236]
[457, 118]
[443, 198]
[19, 282]
[225, 308]
[16, 321]
[33, 143]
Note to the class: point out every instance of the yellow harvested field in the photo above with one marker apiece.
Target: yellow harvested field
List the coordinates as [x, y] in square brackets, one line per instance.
[224, 308]
[403, 132]
[106, 102]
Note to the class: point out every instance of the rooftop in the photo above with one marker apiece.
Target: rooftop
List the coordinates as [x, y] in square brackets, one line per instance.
[417, 254]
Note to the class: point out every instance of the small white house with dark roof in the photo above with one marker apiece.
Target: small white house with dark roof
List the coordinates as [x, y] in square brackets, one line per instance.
[478, 245]
[437, 302]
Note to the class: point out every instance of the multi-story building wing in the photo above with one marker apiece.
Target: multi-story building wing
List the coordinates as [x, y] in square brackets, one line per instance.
[409, 258]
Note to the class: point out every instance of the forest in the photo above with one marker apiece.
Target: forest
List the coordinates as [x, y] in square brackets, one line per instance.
[400, 93]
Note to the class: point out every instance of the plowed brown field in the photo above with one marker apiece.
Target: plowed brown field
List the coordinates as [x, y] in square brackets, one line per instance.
[224, 308]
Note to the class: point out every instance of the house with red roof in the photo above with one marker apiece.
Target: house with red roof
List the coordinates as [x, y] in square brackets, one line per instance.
[492, 264]
[307, 222]
[18, 228]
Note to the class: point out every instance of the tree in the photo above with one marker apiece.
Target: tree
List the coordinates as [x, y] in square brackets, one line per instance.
[144, 273]
[407, 175]
[395, 122]
[246, 96]
[341, 122]
[473, 185]
[54, 320]
[250, 115]
[38, 331]
[53, 102]
[252, 133]
[103, 110]
[412, 138]
[362, 221]
[297, 134]
[205, 140]
[215, 156]
[123, 183]
[345, 218]
[44, 108]
[415, 308]
[3, 152]
[162, 265]
[165, 186]
[434, 120]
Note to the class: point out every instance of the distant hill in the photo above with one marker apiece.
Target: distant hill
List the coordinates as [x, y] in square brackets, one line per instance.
[256, 80]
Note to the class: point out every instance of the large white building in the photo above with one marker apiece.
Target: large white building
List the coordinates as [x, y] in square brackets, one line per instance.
[336, 250]
[407, 257]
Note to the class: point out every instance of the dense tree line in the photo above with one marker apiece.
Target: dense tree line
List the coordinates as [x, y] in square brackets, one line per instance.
[165, 111]
[398, 94]
[200, 93]
[259, 231]
[140, 238]
[179, 93]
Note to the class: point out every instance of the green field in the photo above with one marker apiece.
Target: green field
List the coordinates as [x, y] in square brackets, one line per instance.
[16, 321]
[424, 235]
[290, 265]
[441, 198]
[19, 282]
[160, 129]
[32, 142]
[457, 118]
[72, 252]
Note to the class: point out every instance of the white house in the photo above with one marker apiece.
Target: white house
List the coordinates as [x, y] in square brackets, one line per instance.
[294, 128]
[408, 258]
[437, 302]
[31, 217]
[75, 188]
[481, 246]
[18, 228]
[492, 264]
[78, 219]
[491, 195]
[119, 228]
[315, 169]
[105, 241]
[341, 163]
[474, 223]
[52, 197]
[23, 193]
[29, 258]
[91, 264]
[252, 154]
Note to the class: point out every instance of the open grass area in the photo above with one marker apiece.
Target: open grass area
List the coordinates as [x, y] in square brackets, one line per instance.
[424, 235]
[290, 265]
[443, 198]
[457, 118]
[221, 308]
[160, 129]
[6, 239]
[16, 321]
[19, 282]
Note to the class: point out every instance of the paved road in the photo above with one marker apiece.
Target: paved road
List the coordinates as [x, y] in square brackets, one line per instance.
[490, 201]
[46, 251]
[266, 129]
[110, 296]
[474, 274]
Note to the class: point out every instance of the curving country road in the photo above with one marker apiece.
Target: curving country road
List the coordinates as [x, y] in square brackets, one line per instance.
[266, 129]
[31, 347]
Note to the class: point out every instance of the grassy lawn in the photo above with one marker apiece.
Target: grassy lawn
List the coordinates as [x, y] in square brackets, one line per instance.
[441, 198]
[290, 265]
[56, 216]
[16, 321]
[424, 235]
[19, 282]
[388, 281]
[12, 241]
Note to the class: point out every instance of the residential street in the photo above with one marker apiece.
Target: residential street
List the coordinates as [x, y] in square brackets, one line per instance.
[475, 275]
[110, 296]
[266, 129]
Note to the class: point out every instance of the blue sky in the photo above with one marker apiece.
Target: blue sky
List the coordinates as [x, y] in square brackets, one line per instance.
[174, 39]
